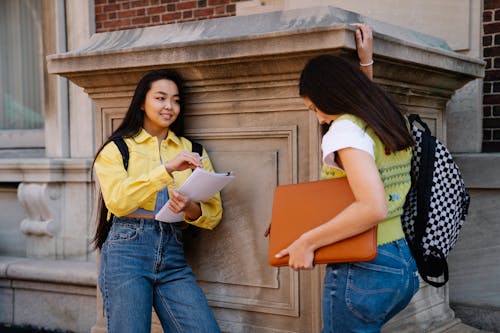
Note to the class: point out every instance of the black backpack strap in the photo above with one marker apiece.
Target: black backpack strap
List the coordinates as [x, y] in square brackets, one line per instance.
[436, 262]
[104, 225]
[426, 171]
[197, 148]
[123, 148]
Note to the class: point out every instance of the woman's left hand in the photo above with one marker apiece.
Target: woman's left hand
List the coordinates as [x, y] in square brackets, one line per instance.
[300, 255]
[178, 203]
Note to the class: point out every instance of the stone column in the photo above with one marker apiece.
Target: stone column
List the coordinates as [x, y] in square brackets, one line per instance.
[243, 106]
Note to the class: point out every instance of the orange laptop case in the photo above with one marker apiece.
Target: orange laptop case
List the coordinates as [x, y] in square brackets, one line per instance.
[298, 208]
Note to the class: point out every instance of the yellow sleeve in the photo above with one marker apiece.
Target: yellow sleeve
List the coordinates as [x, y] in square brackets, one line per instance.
[211, 210]
[121, 192]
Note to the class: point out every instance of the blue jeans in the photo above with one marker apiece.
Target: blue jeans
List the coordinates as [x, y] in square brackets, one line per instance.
[143, 266]
[362, 296]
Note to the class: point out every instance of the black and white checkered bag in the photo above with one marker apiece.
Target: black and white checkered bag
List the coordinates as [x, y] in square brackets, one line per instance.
[436, 205]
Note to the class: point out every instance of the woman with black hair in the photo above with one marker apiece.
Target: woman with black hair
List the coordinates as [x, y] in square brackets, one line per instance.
[142, 260]
[369, 143]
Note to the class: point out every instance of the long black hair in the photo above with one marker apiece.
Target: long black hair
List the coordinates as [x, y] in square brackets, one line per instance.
[130, 127]
[336, 86]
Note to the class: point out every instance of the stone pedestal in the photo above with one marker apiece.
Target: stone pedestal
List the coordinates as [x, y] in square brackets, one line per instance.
[243, 106]
[47, 293]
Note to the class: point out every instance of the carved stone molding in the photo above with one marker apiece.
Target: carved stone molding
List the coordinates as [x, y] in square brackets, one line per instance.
[33, 197]
[42, 203]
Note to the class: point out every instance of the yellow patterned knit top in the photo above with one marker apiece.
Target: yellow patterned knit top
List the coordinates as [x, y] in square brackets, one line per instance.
[394, 169]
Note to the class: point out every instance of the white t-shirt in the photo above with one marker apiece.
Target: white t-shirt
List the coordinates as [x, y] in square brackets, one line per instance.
[344, 133]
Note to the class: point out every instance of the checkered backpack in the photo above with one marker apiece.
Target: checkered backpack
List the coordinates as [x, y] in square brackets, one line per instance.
[436, 205]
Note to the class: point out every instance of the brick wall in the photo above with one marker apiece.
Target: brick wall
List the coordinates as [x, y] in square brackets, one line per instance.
[113, 15]
[491, 87]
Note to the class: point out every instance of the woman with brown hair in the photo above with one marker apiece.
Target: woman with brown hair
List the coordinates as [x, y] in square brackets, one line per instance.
[369, 143]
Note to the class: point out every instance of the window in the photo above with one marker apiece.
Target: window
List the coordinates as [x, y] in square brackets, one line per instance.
[21, 74]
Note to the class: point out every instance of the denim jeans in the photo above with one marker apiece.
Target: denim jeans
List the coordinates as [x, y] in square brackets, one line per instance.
[362, 296]
[143, 266]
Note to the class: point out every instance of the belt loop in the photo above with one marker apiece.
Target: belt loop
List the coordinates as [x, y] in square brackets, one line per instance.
[161, 225]
[397, 243]
[401, 247]
[172, 227]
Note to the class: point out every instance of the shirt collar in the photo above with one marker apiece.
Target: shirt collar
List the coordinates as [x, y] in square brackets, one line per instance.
[144, 135]
[171, 136]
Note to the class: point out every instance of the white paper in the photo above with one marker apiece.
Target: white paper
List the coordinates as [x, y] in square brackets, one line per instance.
[201, 185]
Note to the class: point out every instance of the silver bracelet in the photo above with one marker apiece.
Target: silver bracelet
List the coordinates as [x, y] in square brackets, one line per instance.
[367, 64]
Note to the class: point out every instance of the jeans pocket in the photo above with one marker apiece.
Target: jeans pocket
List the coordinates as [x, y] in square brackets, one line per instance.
[373, 290]
[121, 232]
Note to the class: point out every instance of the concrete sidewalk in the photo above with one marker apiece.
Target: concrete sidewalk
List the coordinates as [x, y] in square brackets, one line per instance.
[462, 328]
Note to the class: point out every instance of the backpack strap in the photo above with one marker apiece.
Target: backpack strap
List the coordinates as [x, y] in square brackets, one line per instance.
[123, 148]
[104, 225]
[426, 170]
[197, 148]
[424, 193]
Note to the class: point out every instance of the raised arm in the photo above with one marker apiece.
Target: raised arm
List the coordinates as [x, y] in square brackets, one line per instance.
[364, 45]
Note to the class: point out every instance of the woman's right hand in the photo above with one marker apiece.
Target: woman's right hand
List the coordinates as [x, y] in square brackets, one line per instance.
[184, 160]
[300, 253]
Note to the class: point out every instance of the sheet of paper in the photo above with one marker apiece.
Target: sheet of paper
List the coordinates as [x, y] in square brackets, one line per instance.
[201, 185]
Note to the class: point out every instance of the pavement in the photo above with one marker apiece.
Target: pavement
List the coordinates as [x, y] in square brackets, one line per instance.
[462, 328]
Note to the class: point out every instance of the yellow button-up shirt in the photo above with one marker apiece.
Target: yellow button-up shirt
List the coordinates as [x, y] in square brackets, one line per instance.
[124, 191]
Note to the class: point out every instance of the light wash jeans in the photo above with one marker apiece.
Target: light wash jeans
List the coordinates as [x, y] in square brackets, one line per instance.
[361, 297]
[143, 266]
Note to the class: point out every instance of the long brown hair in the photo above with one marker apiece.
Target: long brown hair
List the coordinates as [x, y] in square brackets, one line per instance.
[130, 127]
[336, 86]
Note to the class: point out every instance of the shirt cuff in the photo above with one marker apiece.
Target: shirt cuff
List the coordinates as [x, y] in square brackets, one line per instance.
[161, 178]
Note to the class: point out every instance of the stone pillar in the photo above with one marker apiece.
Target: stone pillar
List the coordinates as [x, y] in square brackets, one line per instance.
[243, 106]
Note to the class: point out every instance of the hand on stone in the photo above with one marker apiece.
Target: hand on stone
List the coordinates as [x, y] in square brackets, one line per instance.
[364, 43]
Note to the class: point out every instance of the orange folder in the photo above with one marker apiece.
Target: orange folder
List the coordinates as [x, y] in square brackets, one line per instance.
[298, 208]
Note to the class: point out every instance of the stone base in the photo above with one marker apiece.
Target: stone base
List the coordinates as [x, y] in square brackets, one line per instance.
[461, 328]
[484, 318]
[55, 295]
